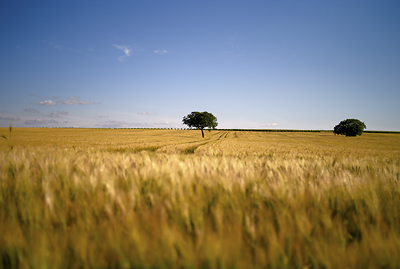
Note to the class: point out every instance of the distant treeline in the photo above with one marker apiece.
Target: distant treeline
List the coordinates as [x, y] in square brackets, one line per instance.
[236, 130]
[384, 132]
[293, 130]
[272, 130]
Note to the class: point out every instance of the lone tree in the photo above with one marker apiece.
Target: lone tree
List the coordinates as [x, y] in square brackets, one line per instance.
[349, 127]
[200, 120]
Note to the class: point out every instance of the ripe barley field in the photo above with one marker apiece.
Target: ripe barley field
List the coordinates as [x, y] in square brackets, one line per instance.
[97, 198]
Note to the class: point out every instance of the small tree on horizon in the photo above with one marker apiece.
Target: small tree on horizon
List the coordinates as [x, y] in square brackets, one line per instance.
[200, 120]
[349, 127]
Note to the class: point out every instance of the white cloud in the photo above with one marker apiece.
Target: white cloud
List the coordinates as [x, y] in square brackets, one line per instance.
[160, 51]
[40, 121]
[272, 125]
[11, 118]
[147, 113]
[47, 103]
[58, 114]
[125, 49]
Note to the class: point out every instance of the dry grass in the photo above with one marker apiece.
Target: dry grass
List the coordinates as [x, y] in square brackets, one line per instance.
[72, 198]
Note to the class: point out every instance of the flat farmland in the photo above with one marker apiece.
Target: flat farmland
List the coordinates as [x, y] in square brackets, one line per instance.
[141, 198]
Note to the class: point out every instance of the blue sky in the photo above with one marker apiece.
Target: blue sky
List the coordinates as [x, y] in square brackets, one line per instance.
[253, 64]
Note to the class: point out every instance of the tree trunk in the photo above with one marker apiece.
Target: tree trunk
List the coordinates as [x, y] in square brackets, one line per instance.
[202, 133]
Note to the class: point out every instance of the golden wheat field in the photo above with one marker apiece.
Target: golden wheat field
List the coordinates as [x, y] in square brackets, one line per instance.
[141, 198]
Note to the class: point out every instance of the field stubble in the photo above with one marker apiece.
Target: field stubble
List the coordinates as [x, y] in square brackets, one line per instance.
[72, 198]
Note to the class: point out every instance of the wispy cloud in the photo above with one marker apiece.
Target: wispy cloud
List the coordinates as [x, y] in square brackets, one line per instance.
[58, 46]
[125, 49]
[122, 124]
[47, 103]
[40, 121]
[147, 113]
[101, 117]
[163, 123]
[31, 110]
[160, 51]
[74, 100]
[166, 124]
[63, 48]
[58, 114]
[114, 124]
[45, 97]
[77, 102]
[11, 118]
[271, 125]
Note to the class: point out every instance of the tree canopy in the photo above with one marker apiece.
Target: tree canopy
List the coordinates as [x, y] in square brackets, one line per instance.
[200, 120]
[349, 127]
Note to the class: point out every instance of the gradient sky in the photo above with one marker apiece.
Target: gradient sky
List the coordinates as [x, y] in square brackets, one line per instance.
[253, 64]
